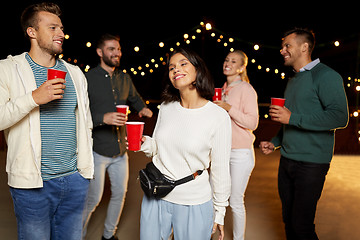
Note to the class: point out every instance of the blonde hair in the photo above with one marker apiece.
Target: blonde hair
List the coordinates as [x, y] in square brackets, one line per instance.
[244, 59]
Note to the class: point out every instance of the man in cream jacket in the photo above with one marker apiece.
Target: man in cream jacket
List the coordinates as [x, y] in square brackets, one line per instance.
[47, 126]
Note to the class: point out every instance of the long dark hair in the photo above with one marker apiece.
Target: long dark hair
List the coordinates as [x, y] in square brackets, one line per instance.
[203, 83]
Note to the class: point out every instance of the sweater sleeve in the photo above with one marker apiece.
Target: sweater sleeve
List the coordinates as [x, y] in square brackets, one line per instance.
[149, 147]
[246, 115]
[334, 114]
[277, 140]
[219, 170]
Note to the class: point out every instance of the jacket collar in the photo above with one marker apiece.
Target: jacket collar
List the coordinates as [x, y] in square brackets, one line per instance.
[23, 69]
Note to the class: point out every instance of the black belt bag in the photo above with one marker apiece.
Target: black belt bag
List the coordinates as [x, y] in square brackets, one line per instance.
[156, 185]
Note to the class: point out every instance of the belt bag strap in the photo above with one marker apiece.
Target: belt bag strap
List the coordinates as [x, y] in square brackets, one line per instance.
[188, 178]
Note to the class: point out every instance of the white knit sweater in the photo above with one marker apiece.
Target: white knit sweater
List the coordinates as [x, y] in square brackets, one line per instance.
[187, 140]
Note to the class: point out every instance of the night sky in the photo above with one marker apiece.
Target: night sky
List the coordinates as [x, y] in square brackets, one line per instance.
[147, 24]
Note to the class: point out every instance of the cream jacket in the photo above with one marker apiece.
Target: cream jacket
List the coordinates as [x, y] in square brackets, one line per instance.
[20, 120]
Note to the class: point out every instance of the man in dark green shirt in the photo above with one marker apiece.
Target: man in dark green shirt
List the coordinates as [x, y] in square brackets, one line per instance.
[109, 87]
[315, 107]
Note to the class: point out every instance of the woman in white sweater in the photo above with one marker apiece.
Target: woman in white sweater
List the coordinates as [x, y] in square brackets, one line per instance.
[191, 134]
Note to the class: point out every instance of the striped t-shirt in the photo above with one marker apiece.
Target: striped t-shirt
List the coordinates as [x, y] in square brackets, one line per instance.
[58, 126]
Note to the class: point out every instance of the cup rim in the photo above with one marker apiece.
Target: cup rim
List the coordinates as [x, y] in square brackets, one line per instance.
[122, 105]
[134, 123]
[55, 70]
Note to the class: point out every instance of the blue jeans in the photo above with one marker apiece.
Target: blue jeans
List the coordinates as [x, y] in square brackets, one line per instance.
[118, 170]
[53, 211]
[190, 222]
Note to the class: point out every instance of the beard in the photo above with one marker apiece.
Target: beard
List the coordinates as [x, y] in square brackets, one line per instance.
[111, 63]
[49, 48]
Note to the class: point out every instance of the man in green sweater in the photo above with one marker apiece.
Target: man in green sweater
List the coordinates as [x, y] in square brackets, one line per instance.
[315, 107]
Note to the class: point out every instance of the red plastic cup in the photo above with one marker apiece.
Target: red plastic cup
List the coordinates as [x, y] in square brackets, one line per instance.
[53, 73]
[217, 95]
[278, 101]
[122, 109]
[134, 132]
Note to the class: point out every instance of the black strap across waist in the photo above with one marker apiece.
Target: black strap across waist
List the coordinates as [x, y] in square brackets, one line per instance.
[188, 178]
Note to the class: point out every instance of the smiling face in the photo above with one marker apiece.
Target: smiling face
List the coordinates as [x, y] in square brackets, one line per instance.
[294, 51]
[110, 53]
[233, 64]
[47, 36]
[182, 73]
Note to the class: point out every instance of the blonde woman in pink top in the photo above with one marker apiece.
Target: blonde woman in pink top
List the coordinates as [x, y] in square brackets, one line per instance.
[239, 99]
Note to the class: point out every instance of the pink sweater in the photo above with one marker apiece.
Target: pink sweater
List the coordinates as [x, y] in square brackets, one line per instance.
[244, 114]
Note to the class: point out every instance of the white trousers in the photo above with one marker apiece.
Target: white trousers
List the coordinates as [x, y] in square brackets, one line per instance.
[242, 162]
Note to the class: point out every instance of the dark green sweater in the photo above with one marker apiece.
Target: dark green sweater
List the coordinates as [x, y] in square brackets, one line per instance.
[318, 105]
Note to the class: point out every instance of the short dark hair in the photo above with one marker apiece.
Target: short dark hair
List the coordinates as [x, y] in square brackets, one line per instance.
[308, 36]
[106, 37]
[29, 15]
[203, 83]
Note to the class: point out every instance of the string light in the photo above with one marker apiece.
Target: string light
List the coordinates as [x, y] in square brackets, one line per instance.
[282, 75]
[208, 26]
[230, 40]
